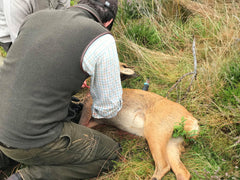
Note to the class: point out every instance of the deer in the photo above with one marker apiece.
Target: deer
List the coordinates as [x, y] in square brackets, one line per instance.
[153, 117]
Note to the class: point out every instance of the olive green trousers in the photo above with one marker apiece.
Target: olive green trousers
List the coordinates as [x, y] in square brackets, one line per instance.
[78, 153]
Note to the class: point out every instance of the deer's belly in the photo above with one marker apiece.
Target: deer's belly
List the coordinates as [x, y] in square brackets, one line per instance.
[130, 121]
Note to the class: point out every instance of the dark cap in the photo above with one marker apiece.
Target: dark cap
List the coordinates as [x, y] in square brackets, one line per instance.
[111, 4]
[107, 9]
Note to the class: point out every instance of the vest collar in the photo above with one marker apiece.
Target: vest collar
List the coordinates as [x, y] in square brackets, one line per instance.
[92, 11]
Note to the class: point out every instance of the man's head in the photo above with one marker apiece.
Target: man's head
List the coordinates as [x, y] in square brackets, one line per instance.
[107, 9]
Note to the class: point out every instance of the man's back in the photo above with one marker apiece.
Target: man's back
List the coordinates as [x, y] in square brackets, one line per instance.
[41, 73]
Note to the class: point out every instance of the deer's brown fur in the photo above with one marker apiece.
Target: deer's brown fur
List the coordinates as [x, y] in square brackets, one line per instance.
[152, 116]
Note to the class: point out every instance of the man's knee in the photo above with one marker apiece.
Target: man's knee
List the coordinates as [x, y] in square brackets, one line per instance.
[108, 148]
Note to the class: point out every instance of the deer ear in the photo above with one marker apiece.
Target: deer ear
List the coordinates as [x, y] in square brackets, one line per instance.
[126, 71]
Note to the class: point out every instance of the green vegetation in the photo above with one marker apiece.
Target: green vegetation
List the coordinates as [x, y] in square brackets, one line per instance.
[155, 37]
[2, 52]
[179, 131]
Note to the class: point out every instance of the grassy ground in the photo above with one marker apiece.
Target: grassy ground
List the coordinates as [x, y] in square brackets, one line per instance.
[155, 37]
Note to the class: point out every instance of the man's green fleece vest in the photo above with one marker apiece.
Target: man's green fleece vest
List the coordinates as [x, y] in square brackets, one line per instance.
[41, 73]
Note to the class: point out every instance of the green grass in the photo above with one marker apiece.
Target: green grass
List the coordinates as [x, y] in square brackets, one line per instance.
[230, 92]
[2, 52]
[155, 37]
[158, 43]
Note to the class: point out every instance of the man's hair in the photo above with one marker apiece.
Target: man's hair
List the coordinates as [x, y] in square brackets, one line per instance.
[107, 9]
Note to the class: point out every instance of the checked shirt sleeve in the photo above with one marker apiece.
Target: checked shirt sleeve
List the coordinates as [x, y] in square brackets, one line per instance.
[102, 64]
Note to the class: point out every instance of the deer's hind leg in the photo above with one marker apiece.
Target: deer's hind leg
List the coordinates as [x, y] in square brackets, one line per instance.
[157, 137]
[174, 149]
